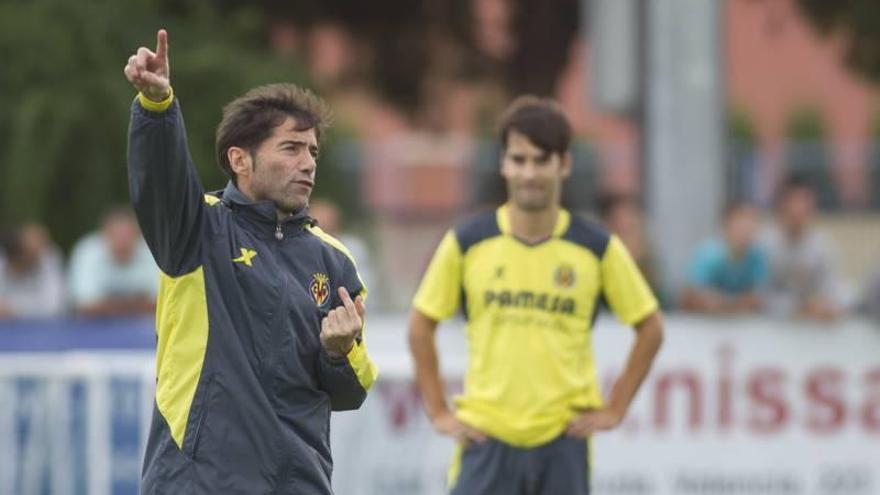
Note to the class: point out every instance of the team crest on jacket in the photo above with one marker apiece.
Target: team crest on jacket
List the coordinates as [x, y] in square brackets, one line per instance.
[564, 276]
[320, 288]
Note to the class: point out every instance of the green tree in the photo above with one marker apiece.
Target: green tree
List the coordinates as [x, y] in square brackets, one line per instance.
[858, 21]
[413, 41]
[64, 102]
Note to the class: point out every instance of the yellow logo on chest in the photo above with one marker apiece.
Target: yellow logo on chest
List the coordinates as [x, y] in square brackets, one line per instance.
[564, 276]
[246, 256]
[320, 288]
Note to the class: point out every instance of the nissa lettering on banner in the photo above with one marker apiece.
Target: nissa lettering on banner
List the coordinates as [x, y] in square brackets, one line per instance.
[725, 393]
[762, 399]
[734, 407]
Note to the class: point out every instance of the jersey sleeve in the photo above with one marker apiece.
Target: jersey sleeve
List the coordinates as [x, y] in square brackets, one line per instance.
[346, 381]
[165, 190]
[624, 286]
[439, 294]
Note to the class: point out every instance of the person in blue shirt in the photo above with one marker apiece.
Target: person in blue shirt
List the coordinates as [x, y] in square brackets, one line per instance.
[727, 274]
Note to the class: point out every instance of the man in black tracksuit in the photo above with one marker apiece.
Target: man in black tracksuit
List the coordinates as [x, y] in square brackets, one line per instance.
[258, 335]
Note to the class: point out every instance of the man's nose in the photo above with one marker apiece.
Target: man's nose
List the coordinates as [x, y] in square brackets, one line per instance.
[309, 164]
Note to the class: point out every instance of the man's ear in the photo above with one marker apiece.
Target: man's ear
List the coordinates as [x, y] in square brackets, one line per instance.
[565, 165]
[240, 161]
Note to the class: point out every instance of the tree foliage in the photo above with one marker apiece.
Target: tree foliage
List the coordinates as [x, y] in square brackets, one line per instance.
[858, 21]
[413, 41]
[64, 102]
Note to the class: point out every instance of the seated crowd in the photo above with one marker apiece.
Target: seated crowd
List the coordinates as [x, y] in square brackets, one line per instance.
[786, 269]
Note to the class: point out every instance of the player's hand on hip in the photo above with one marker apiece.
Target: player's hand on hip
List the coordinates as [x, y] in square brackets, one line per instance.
[149, 71]
[447, 424]
[341, 326]
[593, 420]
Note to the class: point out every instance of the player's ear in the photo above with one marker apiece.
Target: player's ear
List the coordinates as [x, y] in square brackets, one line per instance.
[240, 161]
[565, 164]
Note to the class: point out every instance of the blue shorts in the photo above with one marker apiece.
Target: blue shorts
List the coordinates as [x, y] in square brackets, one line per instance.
[496, 468]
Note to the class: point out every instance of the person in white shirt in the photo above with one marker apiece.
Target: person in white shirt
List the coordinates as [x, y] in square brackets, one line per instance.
[112, 272]
[804, 280]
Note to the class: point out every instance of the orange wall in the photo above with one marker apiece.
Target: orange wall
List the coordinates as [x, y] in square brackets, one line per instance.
[776, 63]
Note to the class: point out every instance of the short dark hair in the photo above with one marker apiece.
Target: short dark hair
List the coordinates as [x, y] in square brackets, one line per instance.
[250, 119]
[539, 119]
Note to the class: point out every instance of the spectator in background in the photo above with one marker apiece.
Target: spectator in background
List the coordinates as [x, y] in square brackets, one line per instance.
[31, 276]
[728, 274]
[111, 271]
[622, 214]
[329, 218]
[803, 278]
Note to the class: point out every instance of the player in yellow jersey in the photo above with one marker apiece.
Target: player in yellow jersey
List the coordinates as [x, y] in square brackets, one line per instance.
[529, 277]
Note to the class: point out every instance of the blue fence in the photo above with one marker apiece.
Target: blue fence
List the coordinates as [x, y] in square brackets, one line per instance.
[75, 395]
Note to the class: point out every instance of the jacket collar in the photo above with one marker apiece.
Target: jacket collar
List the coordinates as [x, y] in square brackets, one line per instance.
[261, 211]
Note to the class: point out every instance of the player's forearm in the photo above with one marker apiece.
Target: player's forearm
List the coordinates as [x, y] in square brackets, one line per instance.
[424, 352]
[161, 174]
[649, 337]
[163, 185]
[348, 379]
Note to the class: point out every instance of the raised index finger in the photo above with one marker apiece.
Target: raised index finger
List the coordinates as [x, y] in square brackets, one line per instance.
[162, 43]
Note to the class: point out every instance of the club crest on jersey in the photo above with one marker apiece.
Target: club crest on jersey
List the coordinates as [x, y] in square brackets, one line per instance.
[564, 276]
[320, 288]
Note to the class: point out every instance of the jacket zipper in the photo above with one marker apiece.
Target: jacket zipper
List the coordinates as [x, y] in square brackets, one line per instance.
[202, 414]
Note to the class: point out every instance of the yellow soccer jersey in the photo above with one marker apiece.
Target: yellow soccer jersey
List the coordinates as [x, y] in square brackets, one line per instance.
[529, 310]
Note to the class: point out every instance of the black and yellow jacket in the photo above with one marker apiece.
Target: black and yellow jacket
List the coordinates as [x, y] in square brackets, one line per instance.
[244, 388]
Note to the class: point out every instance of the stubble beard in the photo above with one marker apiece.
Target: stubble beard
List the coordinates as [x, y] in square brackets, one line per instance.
[532, 203]
[287, 202]
[291, 205]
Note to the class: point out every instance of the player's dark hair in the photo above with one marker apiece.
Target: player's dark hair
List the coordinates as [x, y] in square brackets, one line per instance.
[539, 119]
[250, 119]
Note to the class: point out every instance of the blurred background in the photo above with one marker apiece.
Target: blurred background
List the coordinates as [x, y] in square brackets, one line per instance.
[733, 145]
